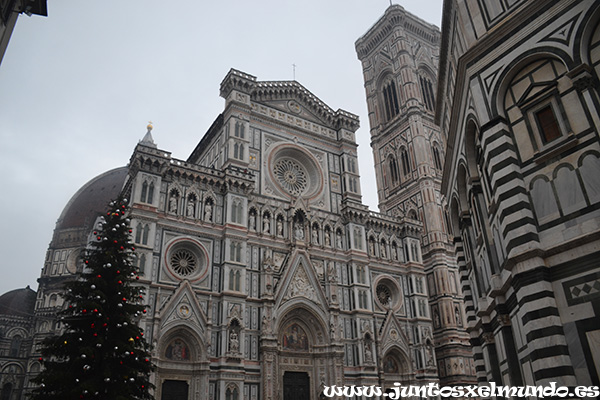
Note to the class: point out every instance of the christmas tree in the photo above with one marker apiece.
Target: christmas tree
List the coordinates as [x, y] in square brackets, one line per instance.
[102, 353]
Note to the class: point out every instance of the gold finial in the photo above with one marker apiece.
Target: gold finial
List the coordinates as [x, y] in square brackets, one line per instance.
[149, 125]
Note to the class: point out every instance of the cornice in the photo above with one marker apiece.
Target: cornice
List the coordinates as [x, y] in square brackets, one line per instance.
[265, 91]
[395, 16]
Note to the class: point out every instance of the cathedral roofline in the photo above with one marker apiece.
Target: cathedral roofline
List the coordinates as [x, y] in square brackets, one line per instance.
[395, 16]
[262, 91]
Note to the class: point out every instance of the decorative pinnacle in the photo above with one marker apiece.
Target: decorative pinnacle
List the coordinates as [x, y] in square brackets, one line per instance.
[149, 125]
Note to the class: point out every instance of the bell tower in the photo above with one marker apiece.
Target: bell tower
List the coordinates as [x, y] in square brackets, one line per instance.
[399, 56]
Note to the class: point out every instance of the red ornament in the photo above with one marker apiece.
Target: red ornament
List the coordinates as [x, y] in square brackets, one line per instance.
[116, 242]
[120, 283]
[99, 276]
[40, 359]
[84, 311]
[118, 272]
[99, 238]
[95, 334]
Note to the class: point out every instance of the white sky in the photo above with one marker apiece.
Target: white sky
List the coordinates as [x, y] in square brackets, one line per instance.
[78, 88]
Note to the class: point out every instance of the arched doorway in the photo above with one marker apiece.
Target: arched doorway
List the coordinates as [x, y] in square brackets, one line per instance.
[182, 365]
[396, 368]
[302, 354]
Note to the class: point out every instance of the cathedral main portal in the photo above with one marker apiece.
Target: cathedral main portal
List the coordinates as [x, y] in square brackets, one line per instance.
[174, 390]
[296, 386]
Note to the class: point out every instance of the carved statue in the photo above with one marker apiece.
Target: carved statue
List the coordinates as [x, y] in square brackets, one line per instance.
[315, 236]
[252, 223]
[368, 352]
[279, 228]
[338, 240]
[382, 250]
[299, 231]
[327, 239]
[234, 343]
[266, 224]
[208, 212]
[173, 203]
[190, 208]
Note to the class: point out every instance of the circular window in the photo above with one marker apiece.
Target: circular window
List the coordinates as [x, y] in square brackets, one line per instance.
[187, 259]
[184, 262]
[295, 171]
[388, 294]
[384, 294]
[291, 176]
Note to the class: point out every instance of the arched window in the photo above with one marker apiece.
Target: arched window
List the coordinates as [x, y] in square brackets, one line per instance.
[144, 191]
[236, 150]
[150, 192]
[239, 130]
[437, 159]
[138, 233]
[15, 346]
[234, 211]
[393, 167]
[405, 162]
[232, 393]
[145, 234]
[231, 279]
[237, 280]
[390, 99]
[427, 91]
[142, 264]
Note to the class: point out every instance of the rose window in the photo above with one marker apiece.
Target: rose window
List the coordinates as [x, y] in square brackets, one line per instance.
[388, 293]
[291, 176]
[183, 262]
[384, 294]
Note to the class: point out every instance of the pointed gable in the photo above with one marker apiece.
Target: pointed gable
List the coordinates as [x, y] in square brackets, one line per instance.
[182, 307]
[300, 282]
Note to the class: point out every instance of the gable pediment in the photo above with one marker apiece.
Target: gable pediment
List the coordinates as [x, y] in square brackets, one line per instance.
[300, 282]
[183, 307]
[295, 101]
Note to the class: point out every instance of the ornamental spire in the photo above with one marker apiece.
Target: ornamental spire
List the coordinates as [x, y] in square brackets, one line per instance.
[147, 139]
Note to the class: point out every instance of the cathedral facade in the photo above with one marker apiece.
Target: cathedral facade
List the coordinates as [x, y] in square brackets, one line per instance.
[267, 278]
[263, 278]
[518, 100]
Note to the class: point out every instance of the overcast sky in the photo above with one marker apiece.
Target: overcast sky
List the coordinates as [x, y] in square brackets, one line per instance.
[78, 88]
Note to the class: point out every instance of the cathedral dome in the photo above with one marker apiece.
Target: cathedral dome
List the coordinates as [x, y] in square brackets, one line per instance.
[18, 302]
[92, 199]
